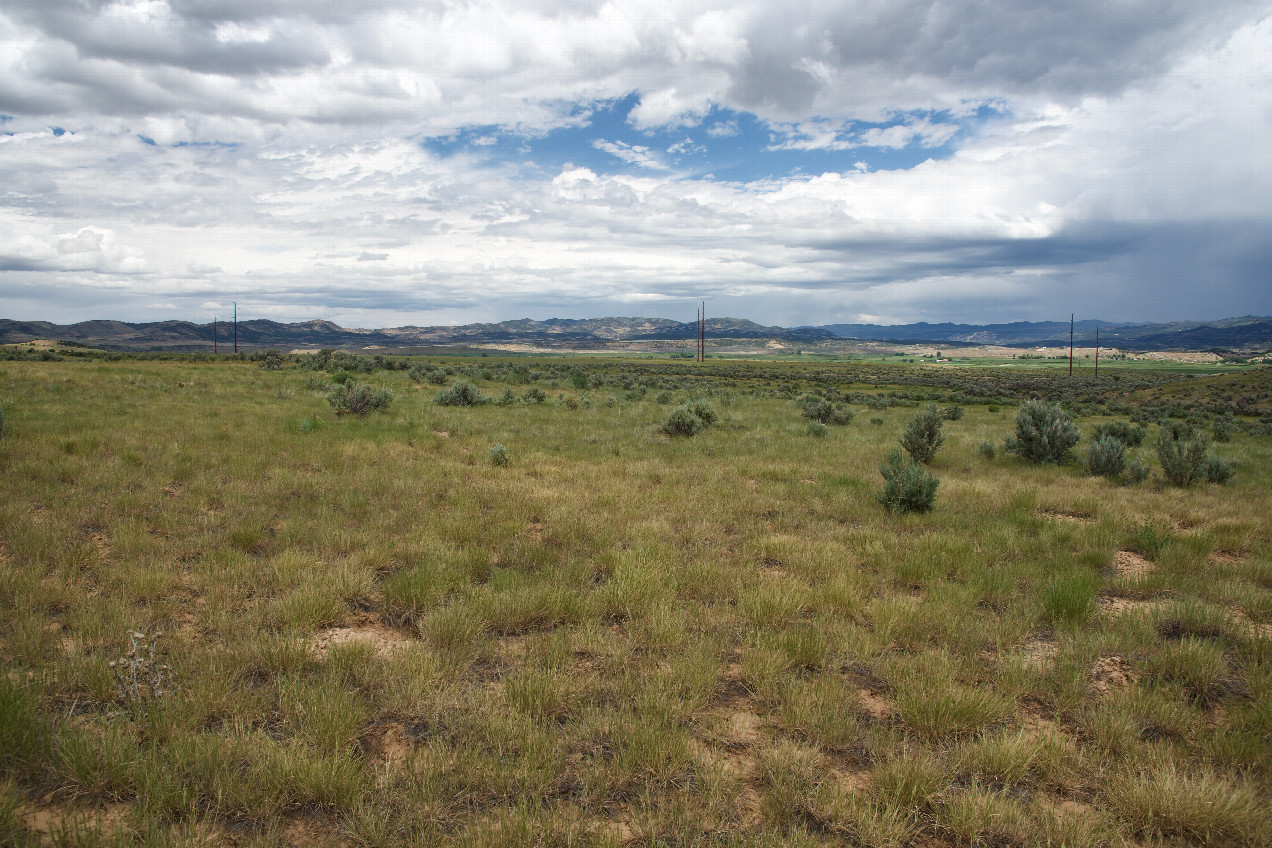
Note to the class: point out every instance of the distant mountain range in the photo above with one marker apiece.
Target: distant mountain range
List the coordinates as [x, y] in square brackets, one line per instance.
[1248, 333]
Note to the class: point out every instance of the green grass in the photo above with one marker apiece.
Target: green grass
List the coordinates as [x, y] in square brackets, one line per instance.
[378, 635]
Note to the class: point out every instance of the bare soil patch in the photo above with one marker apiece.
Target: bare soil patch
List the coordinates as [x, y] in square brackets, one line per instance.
[1057, 514]
[1116, 607]
[1109, 674]
[1131, 564]
[873, 705]
[385, 640]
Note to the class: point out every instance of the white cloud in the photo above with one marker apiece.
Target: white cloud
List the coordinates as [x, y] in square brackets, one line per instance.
[1132, 165]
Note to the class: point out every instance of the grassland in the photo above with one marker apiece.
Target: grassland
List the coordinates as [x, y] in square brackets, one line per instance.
[365, 632]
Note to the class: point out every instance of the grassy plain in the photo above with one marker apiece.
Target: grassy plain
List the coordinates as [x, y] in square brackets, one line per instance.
[376, 636]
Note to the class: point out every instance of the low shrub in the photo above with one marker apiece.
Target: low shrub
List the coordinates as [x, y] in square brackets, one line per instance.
[1137, 472]
[819, 409]
[907, 485]
[663, 398]
[1216, 470]
[1044, 433]
[952, 413]
[1181, 449]
[818, 429]
[683, 421]
[1223, 428]
[498, 456]
[508, 398]
[462, 393]
[1106, 457]
[272, 360]
[923, 437]
[1131, 436]
[987, 450]
[704, 410]
[534, 394]
[355, 398]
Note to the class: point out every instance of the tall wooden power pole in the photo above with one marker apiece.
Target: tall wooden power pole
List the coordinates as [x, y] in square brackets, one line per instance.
[1070, 344]
[214, 349]
[1097, 350]
[236, 326]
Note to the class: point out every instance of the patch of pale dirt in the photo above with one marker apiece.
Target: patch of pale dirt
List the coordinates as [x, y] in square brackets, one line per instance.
[389, 742]
[1131, 564]
[1116, 607]
[1037, 727]
[441, 434]
[752, 484]
[1257, 630]
[850, 781]
[306, 832]
[1109, 674]
[874, 706]
[1071, 516]
[46, 820]
[1226, 558]
[534, 531]
[810, 480]
[1038, 653]
[383, 639]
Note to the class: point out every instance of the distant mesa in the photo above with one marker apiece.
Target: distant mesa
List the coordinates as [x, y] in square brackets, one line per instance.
[1230, 334]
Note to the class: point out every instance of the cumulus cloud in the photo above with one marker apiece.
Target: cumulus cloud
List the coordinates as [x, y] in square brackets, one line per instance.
[273, 153]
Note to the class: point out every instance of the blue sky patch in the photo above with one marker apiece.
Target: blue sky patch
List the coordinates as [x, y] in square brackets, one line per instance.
[724, 145]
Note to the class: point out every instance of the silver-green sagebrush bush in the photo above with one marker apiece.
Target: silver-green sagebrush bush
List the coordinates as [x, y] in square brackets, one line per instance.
[923, 436]
[1181, 449]
[690, 419]
[1044, 433]
[1106, 457]
[462, 393]
[499, 455]
[354, 398]
[907, 485]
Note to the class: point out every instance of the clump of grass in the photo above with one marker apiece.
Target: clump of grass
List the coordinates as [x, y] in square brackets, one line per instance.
[1070, 599]
[1161, 802]
[1044, 433]
[461, 393]
[923, 437]
[907, 485]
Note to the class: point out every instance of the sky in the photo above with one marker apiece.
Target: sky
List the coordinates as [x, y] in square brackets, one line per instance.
[383, 163]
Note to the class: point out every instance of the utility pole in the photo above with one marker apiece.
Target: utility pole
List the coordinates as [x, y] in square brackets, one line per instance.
[1097, 350]
[214, 349]
[702, 334]
[1070, 344]
[236, 326]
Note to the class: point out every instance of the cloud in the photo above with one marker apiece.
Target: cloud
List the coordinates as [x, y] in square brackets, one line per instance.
[633, 154]
[1109, 155]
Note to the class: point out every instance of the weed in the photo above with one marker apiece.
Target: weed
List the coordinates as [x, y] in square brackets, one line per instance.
[907, 485]
[139, 676]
